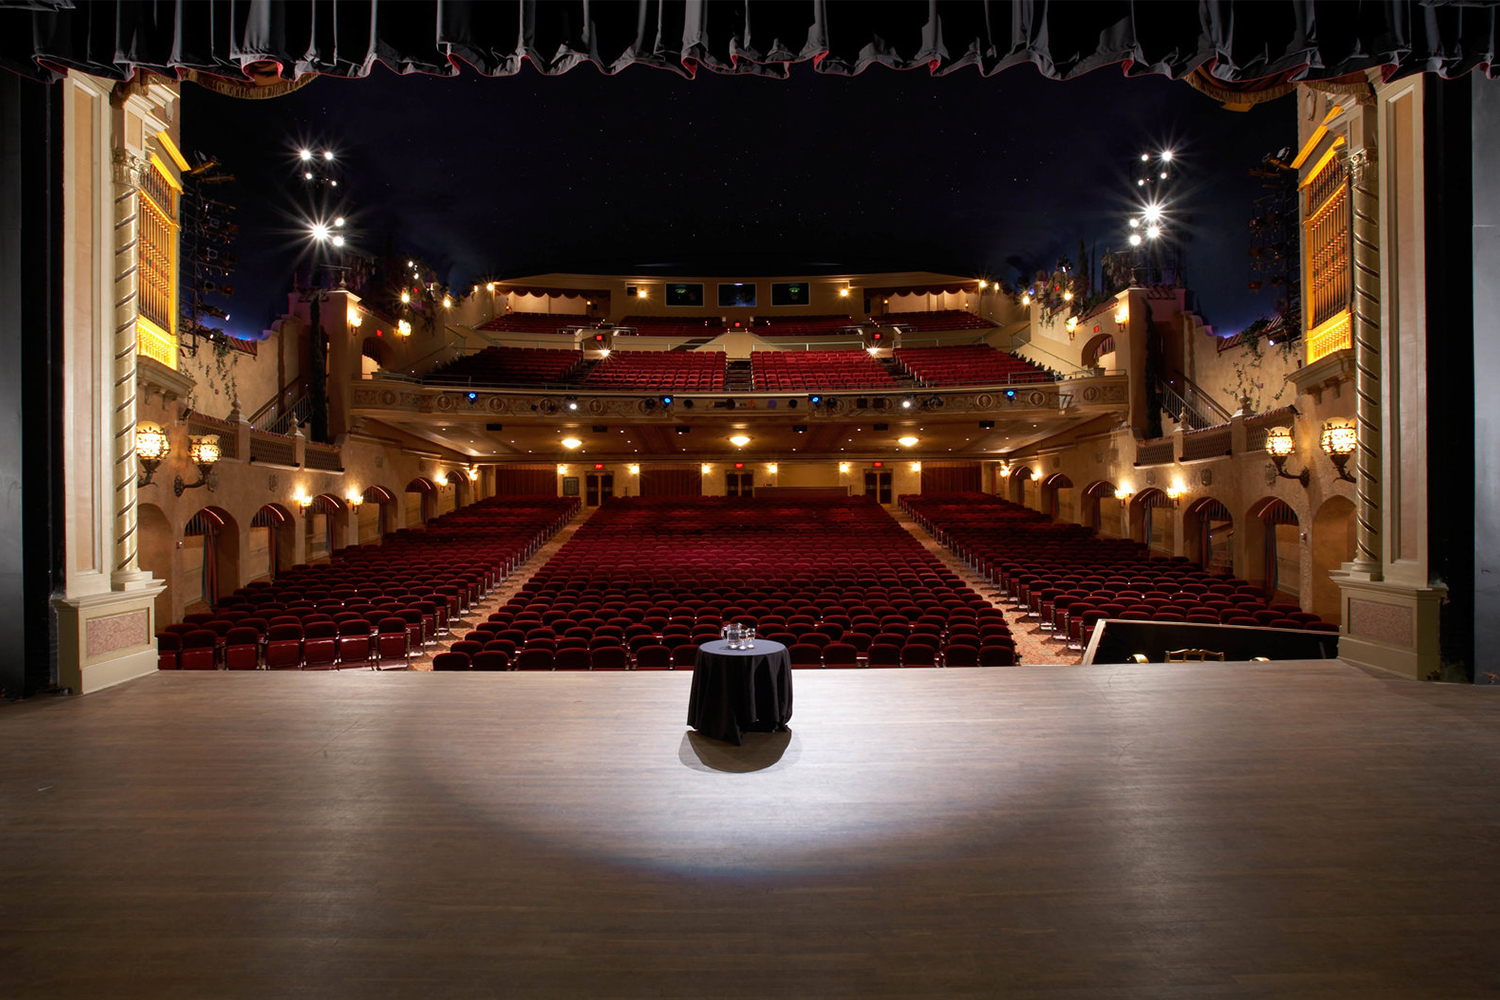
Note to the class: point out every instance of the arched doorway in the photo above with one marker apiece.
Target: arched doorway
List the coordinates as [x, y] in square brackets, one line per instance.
[1208, 534]
[1273, 549]
[273, 543]
[377, 354]
[1153, 521]
[1016, 489]
[1099, 351]
[1054, 504]
[325, 527]
[155, 555]
[1333, 544]
[210, 558]
[376, 516]
[425, 507]
[1098, 509]
[463, 490]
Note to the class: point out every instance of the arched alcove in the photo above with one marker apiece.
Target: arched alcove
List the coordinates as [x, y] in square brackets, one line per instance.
[1273, 548]
[1153, 521]
[424, 508]
[1333, 544]
[325, 527]
[1208, 536]
[210, 557]
[154, 554]
[1015, 490]
[376, 516]
[1098, 350]
[1092, 509]
[1051, 499]
[273, 543]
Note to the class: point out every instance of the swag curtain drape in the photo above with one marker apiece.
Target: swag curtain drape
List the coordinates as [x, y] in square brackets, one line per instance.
[262, 44]
[671, 481]
[950, 477]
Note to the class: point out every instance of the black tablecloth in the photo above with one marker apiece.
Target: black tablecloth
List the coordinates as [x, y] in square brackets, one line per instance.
[740, 690]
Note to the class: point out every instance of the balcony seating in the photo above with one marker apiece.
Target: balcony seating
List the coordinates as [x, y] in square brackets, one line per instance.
[509, 366]
[525, 322]
[674, 326]
[799, 326]
[936, 321]
[781, 371]
[676, 371]
[968, 365]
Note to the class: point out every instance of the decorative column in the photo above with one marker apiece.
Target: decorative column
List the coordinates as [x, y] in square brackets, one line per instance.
[127, 174]
[1366, 323]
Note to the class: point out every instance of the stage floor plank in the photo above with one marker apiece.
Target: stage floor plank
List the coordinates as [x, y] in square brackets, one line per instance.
[1141, 831]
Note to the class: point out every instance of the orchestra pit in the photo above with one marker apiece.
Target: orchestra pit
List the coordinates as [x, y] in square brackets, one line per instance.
[411, 667]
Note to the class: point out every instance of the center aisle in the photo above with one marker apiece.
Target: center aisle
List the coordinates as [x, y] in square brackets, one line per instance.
[1033, 646]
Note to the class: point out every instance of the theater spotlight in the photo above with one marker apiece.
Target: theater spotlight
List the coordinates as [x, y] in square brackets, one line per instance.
[666, 401]
[1010, 394]
[571, 402]
[907, 402]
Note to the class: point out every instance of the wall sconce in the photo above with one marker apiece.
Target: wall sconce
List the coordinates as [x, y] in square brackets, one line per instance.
[1036, 476]
[1005, 471]
[304, 503]
[843, 468]
[772, 468]
[562, 470]
[916, 466]
[441, 479]
[354, 500]
[1122, 314]
[705, 468]
[151, 446]
[474, 474]
[403, 328]
[1279, 445]
[204, 453]
[634, 470]
[352, 317]
[1174, 494]
[1123, 496]
[1339, 441]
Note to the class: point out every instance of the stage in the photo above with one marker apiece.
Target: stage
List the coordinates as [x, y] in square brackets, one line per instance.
[1220, 830]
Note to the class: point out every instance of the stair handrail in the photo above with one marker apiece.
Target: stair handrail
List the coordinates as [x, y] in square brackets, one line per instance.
[277, 403]
[1201, 401]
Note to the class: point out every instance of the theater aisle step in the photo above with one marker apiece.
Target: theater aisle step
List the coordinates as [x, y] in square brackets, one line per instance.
[1033, 646]
[497, 597]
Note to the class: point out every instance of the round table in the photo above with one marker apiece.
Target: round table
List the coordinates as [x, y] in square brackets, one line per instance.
[740, 690]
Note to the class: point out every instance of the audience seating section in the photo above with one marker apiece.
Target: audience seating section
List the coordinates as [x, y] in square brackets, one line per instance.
[1067, 578]
[799, 326]
[679, 371]
[936, 321]
[976, 364]
[674, 326]
[525, 322]
[780, 371]
[510, 366]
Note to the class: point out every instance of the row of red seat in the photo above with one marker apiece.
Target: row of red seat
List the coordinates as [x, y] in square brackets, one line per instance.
[975, 364]
[510, 366]
[525, 322]
[318, 615]
[1067, 578]
[665, 572]
[807, 370]
[936, 320]
[684, 371]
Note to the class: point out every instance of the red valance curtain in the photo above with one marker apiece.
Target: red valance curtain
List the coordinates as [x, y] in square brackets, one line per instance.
[526, 480]
[950, 477]
[671, 481]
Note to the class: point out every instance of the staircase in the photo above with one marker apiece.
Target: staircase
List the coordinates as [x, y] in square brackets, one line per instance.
[894, 369]
[1188, 404]
[739, 376]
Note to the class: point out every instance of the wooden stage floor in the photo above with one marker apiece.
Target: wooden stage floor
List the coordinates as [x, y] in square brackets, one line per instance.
[1266, 830]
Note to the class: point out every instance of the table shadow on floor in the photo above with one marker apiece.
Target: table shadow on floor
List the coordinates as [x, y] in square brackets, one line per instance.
[759, 752]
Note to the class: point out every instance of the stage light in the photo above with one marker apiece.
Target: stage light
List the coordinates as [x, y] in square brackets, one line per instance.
[1151, 213]
[1163, 175]
[339, 221]
[306, 155]
[1145, 157]
[1153, 232]
[1135, 239]
[338, 241]
[319, 232]
[1166, 155]
[1010, 394]
[666, 401]
[307, 176]
[1141, 182]
[571, 402]
[815, 399]
[1134, 223]
[327, 154]
[405, 297]
[473, 396]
